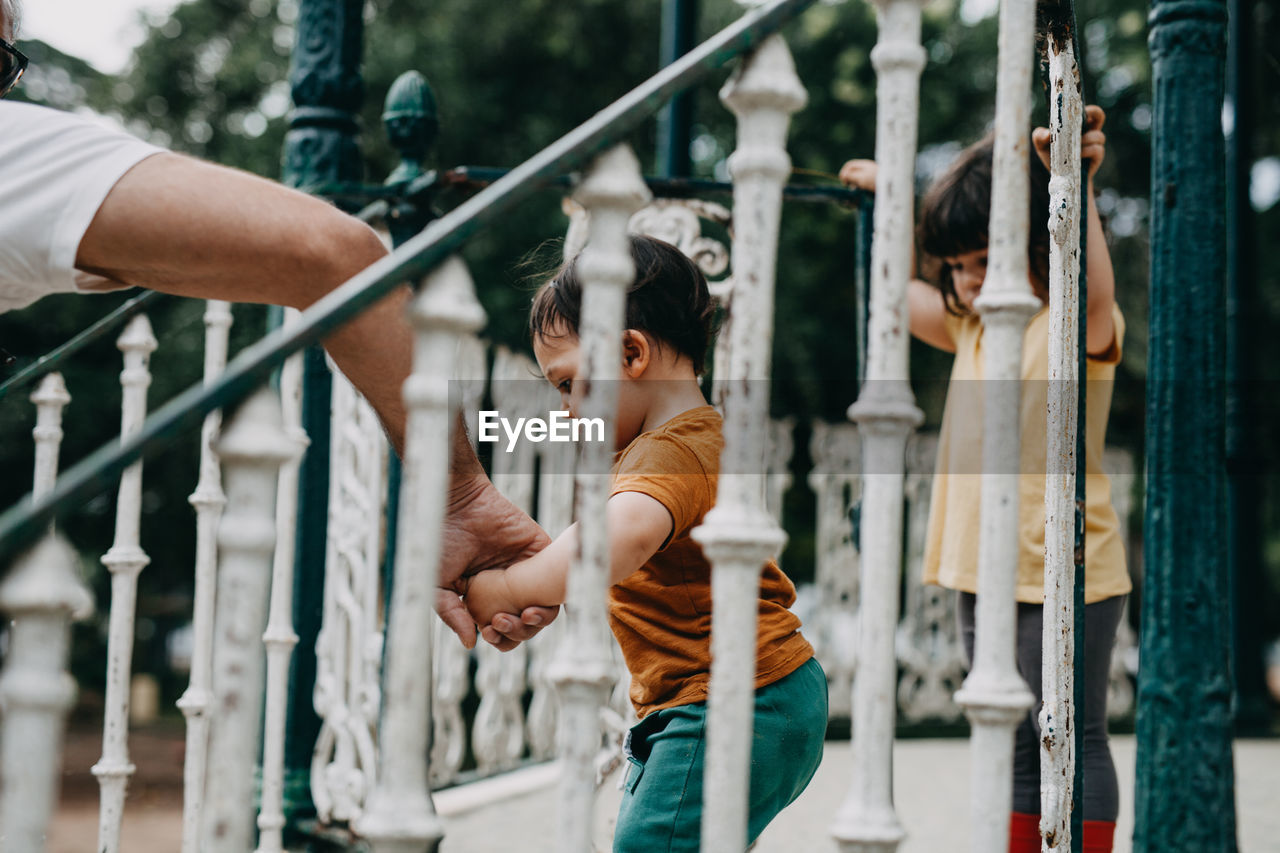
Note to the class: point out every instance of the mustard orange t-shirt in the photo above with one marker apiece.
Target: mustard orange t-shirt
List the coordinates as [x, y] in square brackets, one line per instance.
[661, 613]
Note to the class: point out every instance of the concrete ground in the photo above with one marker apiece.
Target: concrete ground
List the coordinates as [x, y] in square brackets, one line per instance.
[518, 812]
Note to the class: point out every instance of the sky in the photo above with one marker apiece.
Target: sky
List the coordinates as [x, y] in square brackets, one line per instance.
[103, 32]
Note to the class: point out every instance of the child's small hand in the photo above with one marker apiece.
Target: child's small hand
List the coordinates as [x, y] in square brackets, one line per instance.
[1093, 142]
[859, 174]
[487, 594]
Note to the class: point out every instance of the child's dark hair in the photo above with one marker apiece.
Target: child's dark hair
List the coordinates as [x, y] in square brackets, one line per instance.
[955, 213]
[669, 300]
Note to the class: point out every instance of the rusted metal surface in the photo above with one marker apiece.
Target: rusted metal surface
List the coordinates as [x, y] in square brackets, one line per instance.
[582, 669]
[125, 561]
[738, 535]
[994, 696]
[886, 414]
[1058, 723]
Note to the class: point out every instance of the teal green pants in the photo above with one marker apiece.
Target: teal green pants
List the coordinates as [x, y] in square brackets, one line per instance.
[661, 809]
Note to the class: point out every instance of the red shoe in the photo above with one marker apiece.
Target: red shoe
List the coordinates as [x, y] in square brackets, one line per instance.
[1098, 836]
[1024, 833]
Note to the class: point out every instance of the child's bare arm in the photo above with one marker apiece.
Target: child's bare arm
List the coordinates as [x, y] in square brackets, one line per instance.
[926, 310]
[1100, 278]
[638, 526]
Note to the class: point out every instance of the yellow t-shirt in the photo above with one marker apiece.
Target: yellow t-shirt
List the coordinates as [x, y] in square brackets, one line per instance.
[661, 613]
[951, 544]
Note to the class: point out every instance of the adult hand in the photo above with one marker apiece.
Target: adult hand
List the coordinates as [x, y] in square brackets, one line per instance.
[1093, 142]
[484, 530]
[859, 174]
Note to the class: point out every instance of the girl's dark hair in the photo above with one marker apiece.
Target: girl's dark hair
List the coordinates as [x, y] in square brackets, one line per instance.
[957, 209]
[669, 300]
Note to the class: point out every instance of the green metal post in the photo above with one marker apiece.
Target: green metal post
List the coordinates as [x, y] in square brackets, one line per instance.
[321, 147]
[1245, 485]
[675, 121]
[1184, 799]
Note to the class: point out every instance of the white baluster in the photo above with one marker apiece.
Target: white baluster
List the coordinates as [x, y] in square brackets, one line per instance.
[1057, 742]
[994, 696]
[348, 651]
[452, 661]
[279, 637]
[35, 694]
[781, 447]
[452, 676]
[252, 451]
[497, 733]
[208, 501]
[583, 670]
[40, 595]
[51, 398]
[398, 815]
[836, 480]
[125, 560]
[886, 414]
[930, 655]
[555, 513]
[739, 535]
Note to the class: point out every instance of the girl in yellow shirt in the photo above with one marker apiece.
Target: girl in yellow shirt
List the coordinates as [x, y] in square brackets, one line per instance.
[953, 232]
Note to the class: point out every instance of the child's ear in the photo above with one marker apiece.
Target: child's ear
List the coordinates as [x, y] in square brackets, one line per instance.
[636, 353]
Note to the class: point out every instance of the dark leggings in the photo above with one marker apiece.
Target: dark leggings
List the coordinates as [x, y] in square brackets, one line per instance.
[1101, 620]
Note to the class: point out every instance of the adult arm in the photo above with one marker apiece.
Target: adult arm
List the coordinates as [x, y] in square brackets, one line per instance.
[194, 229]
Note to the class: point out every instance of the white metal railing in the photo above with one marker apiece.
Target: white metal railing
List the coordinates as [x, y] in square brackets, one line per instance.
[738, 534]
[208, 500]
[384, 794]
[1058, 713]
[994, 695]
[279, 638]
[886, 414]
[254, 448]
[125, 560]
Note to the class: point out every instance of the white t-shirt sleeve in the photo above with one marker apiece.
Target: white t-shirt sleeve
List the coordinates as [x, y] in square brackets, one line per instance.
[56, 169]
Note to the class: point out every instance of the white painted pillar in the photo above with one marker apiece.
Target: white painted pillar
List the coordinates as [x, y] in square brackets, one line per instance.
[994, 696]
[51, 398]
[836, 481]
[208, 501]
[40, 595]
[1057, 715]
[583, 670]
[347, 692]
[886, 414]
[279, 637]
[252, 451]
[125, 560]
[398, 815]
[738, 535]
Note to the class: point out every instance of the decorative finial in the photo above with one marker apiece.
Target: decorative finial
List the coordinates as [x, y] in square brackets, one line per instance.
[412, 123]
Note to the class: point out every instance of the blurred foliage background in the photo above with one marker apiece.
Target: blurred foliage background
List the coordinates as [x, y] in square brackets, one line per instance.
[211, 80]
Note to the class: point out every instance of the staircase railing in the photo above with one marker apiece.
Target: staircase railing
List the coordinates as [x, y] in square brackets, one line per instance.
[41, 590]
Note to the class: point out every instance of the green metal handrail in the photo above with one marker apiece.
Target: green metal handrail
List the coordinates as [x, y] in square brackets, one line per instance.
[479, 177]
[21, 525]
[54, 360]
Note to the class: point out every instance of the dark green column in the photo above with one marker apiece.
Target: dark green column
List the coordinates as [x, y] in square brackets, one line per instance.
[320, 148]
[675, 120]
[1184, 798]
[1245, 469]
